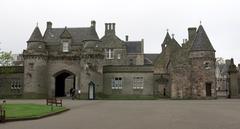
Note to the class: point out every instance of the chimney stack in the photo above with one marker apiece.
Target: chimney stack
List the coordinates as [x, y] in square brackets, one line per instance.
[192, 31]
[93, 24]
[126, 37]
[113, 26]
[142, 46]
[49, 25]
[110, 28]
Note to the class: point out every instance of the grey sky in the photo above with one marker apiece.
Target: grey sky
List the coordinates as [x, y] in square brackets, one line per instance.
[146, 19]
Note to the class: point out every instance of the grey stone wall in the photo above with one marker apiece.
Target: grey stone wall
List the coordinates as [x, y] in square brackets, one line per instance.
[11, 82]
[202, 72]
[127, 73]
[35, 69]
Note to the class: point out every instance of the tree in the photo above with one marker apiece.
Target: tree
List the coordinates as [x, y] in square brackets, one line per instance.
[220, 62]
[6, 58]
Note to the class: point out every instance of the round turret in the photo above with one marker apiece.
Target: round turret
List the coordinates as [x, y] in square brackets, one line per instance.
[35, 42]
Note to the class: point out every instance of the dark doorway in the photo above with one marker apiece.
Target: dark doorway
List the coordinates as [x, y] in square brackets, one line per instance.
[208, 89]
[164, 91]
[60, 83]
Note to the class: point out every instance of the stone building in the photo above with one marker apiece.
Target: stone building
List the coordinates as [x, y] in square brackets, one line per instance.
[222, 77]
[234, 80]
[64, 58]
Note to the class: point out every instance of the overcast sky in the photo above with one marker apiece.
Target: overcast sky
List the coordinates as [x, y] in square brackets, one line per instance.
[147, 19]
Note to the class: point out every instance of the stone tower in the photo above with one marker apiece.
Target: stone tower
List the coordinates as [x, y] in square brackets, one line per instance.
[202, 61]
[35, 58]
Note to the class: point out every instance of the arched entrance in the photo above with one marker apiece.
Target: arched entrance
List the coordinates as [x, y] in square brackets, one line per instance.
[64, 81]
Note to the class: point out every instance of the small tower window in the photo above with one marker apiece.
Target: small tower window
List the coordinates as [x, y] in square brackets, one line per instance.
[65, 47]
[119, 56]
[207, 65]
[131, 61]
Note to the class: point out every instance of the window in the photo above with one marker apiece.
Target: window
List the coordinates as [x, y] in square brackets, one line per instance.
[119, 56]
[15, 85]
[138, 83]
[207, 65]
[131, 61]
[109, 53]
[117, 83]
[65, 47]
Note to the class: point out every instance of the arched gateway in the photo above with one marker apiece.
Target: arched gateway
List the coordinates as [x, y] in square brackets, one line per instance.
[64, 81]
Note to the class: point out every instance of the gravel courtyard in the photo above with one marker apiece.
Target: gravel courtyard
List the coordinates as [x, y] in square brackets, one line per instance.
[146, 114]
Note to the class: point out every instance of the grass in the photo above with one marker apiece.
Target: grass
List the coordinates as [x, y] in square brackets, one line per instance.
[22, 111]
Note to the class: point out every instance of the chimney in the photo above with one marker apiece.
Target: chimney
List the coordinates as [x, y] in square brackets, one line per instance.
[142, 45]
[49, 25]
[126, 37]
[106, 28]
[113, 26]
[192, 31]
[93, 24]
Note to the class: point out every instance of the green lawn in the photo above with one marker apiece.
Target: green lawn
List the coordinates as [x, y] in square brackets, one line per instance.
[21, 111]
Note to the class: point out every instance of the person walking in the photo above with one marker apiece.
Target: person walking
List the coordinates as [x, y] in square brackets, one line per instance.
[72, 93]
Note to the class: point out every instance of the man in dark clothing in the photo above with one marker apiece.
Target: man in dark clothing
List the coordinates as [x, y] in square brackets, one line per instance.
[72, 93]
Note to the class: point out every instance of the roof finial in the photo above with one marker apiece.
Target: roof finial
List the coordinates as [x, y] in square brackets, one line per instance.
[200, 22]
[167, 29]
[173, 36]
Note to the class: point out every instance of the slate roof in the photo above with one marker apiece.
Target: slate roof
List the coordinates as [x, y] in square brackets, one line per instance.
[150, 58]
[201, 41]
[167, 39]
[174, 42]
[78, 34]
[36, 35]
[134, 46]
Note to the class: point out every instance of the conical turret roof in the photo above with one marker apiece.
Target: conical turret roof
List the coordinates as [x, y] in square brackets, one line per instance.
[36, 36]
[174, 42]
[201, 41]
[167, 39]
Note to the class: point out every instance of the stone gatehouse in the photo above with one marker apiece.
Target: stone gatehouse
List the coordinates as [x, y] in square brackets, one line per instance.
[64, 58]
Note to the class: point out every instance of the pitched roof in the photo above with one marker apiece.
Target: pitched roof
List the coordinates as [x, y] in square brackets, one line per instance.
[78, 34]
[174, 42]
[150, 58]
[201, 41]
[111, 41]
[65, 34]
[36, 35]
[134, 46]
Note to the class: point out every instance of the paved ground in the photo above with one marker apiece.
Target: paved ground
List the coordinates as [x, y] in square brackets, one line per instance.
[153, 114]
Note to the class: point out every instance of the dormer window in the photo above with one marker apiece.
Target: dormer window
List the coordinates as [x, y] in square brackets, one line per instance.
[109, 53]
[65, 47]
